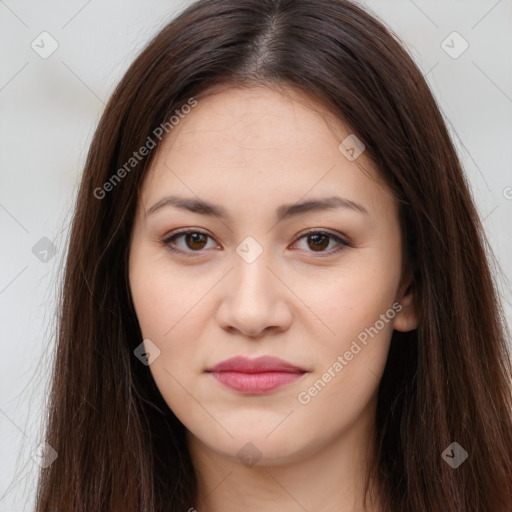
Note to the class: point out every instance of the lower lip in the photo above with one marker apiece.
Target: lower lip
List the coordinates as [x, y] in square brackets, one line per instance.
[256, 382]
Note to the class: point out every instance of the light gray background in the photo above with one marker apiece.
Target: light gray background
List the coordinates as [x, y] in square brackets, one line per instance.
[49, 110]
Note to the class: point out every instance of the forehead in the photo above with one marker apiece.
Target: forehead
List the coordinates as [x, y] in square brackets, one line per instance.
[259, 142]
[258, 118]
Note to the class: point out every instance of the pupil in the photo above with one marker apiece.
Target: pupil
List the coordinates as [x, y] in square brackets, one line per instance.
[194, 237]
[320, 236]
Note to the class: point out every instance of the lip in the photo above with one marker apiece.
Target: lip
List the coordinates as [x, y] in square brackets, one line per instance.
[255, 376]
[257, 365]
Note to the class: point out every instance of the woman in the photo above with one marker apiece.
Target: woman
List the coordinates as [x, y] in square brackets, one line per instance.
[277, 292]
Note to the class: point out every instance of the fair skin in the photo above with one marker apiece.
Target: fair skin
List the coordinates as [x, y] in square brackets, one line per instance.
[250, 151]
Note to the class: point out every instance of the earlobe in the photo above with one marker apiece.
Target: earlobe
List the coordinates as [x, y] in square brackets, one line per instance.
[407, 318]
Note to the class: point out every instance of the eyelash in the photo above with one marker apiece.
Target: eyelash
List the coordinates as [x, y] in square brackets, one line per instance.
[167, 241]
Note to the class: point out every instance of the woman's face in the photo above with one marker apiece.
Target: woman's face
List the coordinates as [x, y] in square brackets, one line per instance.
[249, 282]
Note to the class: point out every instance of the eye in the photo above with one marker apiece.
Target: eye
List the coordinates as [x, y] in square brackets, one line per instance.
[195, 241]
[318, 241]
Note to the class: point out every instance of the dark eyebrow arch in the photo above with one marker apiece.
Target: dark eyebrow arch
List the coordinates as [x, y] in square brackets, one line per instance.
[284, 211]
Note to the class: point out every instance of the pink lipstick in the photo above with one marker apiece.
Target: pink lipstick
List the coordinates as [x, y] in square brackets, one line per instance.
[255, 376]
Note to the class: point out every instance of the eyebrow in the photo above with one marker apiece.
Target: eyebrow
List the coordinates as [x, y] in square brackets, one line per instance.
[284, 211]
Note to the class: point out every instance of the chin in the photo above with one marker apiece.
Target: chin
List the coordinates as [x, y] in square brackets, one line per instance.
[256, 447]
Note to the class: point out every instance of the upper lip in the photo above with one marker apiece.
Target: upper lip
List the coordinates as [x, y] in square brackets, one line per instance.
[258, 365]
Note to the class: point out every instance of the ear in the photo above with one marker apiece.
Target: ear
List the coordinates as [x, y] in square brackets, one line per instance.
[406, 319]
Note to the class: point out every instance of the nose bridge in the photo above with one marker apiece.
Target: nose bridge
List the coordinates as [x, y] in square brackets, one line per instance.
[252, 264]
[253, 300]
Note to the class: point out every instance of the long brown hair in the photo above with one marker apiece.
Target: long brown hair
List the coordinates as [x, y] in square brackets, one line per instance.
[120, 447]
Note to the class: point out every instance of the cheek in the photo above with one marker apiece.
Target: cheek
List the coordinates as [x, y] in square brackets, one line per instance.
[169, 317]
[166, 315]
[163, 295]
[358, 309]
[350, 363]
[352, 301]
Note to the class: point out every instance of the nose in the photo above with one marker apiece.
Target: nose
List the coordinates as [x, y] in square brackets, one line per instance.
[255, 301]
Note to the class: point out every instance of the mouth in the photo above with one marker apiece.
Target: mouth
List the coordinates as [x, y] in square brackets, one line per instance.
[255, 376]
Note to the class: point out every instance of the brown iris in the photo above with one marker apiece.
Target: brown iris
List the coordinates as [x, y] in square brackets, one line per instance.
[316, 238]
[195, 240]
